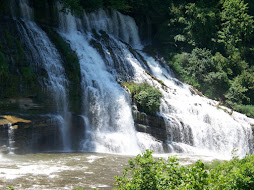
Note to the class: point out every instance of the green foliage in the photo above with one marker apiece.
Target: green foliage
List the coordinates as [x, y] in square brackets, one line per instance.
[192, 25]
[15, 72]
[218, 77]
[146, 96]
[237, 25]
[199, 63]
[236, 92]
[234, 174]
[144, 172]
[242, 89]
[178, 62]
[155, 9]
[209, 43]
[245, 109]
[72, 68]
[203, 70]
[200, 24]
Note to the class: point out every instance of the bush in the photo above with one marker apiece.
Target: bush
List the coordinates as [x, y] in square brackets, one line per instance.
[245, 109]
[202, 70]
[234, 174]
[146, 96]
[144, 172]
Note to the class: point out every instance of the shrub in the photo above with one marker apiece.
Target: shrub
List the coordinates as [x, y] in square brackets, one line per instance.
[234, 174]
[146, 96]
[144, 172]
[245, 109]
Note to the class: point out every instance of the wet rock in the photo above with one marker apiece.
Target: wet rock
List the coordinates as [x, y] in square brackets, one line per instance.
[252, 126]
[29, 134]
[3, 149]
[151, 124]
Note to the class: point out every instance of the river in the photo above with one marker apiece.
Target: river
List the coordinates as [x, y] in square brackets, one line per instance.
[50, 171]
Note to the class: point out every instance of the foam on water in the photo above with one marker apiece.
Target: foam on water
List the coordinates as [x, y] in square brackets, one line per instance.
[194, 124]
[106, 108]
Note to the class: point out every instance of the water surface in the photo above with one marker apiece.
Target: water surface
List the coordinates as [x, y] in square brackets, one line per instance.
[68, 170]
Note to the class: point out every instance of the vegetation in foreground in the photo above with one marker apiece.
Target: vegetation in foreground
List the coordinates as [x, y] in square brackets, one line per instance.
[144, 172]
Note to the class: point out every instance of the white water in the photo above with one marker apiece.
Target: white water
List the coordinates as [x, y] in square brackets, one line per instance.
[106, 108]
[197, 120]
[119, 25]
[11, 138]
[44, 52]
[194, 124]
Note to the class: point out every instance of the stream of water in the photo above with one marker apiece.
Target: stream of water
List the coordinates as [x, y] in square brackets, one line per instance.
[44, 54]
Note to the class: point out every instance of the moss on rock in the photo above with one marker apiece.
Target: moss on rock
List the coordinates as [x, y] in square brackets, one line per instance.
[148, 98]
[72, 68]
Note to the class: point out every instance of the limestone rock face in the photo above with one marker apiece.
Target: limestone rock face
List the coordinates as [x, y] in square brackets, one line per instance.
[4, 139]
[29, 134]
[151, 124]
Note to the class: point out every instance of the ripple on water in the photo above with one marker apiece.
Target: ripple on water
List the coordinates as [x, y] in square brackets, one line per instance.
[68, 170]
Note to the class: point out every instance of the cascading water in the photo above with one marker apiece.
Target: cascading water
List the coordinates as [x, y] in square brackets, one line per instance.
[100, 39]
[194, 124]
[43, 52]
[119, 25]
[106, 108]
[11, 138]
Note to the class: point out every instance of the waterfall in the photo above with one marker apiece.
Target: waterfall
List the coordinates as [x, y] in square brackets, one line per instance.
[119, 25]
[194, 124]
[11, 138]
[45, 55]
[110, 51]
[106, 109]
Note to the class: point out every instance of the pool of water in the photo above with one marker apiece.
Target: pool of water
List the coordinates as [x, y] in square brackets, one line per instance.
[68, 170]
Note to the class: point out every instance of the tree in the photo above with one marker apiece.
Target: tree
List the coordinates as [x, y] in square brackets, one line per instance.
[237, 25]
[201, 24]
